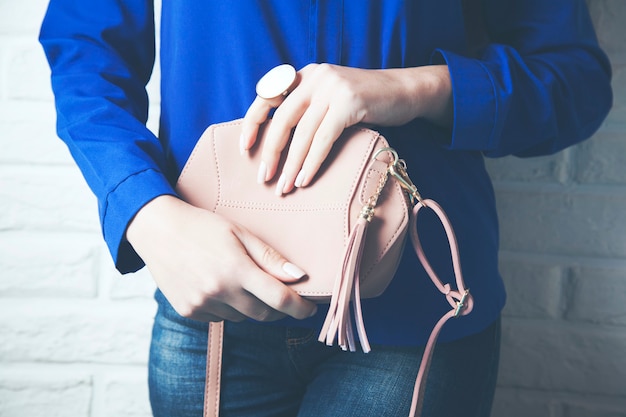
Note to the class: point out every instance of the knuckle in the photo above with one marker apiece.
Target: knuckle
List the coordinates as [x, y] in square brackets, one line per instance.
[270, 256]
[324, 68]
[213, 290]
[283, 300]
[277, 120]
[346, 93]
[309, 68]
[188, 309]
[331, 74]
[234, 230]
[263, 315]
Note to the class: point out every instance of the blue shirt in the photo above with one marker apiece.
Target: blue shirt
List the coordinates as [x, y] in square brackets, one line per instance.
[540, 85]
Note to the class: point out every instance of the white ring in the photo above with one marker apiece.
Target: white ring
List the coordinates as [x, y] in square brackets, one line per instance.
[276, 82]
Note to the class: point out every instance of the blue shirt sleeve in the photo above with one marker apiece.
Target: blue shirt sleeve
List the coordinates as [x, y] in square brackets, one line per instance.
[101, 55]
[541, 85]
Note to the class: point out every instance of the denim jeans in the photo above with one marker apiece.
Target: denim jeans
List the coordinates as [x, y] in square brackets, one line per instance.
[281, 371]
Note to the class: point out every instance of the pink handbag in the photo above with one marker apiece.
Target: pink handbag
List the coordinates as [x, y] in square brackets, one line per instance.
[346, 230]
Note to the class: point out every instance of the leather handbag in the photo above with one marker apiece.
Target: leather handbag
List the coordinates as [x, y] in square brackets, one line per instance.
[346, 230]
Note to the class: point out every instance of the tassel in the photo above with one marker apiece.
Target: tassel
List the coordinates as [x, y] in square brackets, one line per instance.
[338, 324]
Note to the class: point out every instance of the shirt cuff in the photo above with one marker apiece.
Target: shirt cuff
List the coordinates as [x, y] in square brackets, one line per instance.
[121, 206]
[474, 101]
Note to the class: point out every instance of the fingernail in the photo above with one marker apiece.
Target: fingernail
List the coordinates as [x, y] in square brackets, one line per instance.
[314, 312]
[293, 270]
[260, 178]
[242, 149]
[281, 185]
[299, 179]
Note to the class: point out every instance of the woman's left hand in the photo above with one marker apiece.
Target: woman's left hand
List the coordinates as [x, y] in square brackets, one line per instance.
[329, 98]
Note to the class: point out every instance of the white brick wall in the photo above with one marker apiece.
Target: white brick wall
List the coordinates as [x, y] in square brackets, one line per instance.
[564, 262]
[74, 334]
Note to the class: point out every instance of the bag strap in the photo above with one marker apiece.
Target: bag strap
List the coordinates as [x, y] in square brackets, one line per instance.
[460, 300]
[213, 369]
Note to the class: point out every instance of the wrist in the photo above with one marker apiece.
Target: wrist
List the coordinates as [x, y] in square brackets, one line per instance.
[432, 94]
[409, 93]
[151, 214]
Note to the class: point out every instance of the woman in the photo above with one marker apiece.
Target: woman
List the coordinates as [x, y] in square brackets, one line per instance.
[540, 84]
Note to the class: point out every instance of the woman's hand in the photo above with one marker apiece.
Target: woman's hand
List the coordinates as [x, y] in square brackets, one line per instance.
[210, 269]
[329, 98]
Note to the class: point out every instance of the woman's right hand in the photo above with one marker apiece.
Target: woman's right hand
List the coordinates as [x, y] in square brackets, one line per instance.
[210, 269]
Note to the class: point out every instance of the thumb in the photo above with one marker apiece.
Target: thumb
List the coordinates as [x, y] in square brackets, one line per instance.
[268, 258]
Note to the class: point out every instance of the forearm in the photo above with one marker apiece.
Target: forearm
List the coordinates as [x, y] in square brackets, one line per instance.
[543, 83]
[101, 56]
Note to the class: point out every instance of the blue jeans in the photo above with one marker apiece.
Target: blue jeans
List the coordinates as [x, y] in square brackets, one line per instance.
[284, 371]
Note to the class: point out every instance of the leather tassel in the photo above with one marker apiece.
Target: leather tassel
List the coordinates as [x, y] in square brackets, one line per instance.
[338, 324]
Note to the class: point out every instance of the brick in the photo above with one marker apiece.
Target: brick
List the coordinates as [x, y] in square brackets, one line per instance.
[138, 285]
[616, 120]
[29, 393]
[3, 70]
[21, 17]
[154, 85]
[154, 90]
[126, 395]
[552, 168]
[79, 331]
[534, 290]
[608, 17]
[561, 356]
[602, 160]
[564, 221]
[50, 198]
[598, 409]
[522, 403]
[518, 402]
[130, 286]
[153, 118]
[48, 265]
[29, 135]
[598, 295]
[27, 75]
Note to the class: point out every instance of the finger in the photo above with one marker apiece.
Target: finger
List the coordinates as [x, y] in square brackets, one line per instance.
[299, 147]
[266, 298]
[256, 115]
[229, 315]
[278, 297]
[230, 301]
[327, 133]
[286, 117]
[234, 302]
[206, 310]
[253, 308]
[247, 306]
[267, 283]
[267, 258]
[271, 90]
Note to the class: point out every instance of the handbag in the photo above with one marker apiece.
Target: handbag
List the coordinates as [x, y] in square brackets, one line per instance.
[346, 230]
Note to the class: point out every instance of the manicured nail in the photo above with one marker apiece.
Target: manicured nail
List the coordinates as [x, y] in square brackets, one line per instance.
[260, 178]
[280, 186]
[299, 179]
[293, 270]
[242, 148]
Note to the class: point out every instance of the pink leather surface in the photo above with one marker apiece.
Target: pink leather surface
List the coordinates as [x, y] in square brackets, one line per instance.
[316, 228]
[309, 226]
